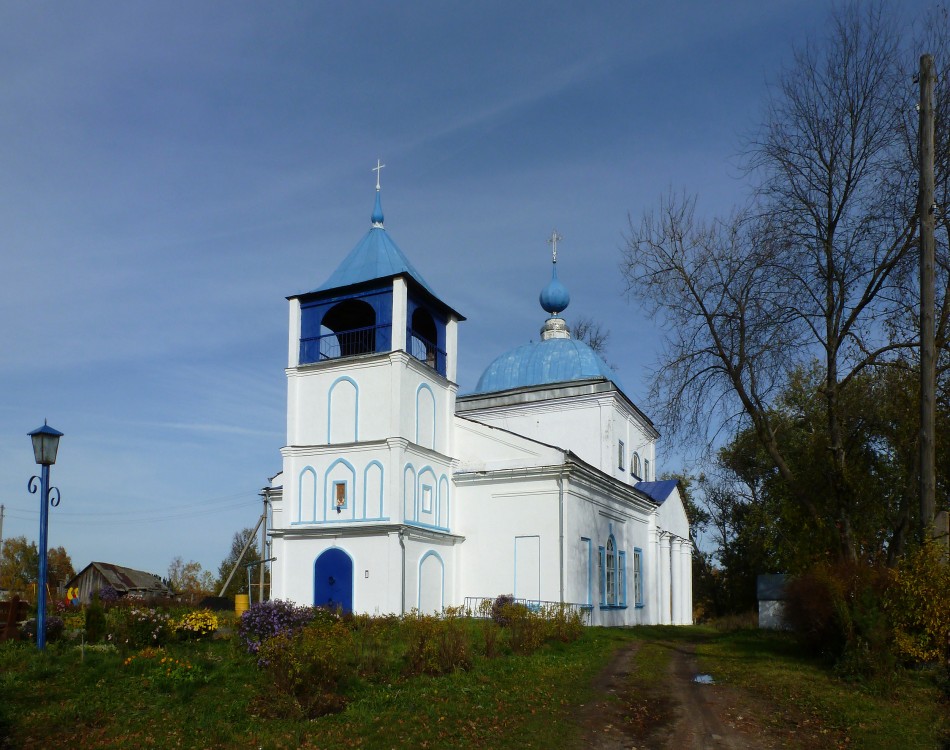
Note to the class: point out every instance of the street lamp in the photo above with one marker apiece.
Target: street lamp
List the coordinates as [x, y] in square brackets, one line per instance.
[45, 444]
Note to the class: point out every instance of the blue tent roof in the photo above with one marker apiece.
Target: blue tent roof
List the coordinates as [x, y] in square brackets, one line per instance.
[658, 491]
[553, 360]
[375, 256]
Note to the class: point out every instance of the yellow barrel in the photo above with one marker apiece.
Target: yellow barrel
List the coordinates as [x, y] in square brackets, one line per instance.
[240, 604]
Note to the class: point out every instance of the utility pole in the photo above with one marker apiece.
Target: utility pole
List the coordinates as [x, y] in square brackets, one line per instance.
[265, 495]
[926, 210]
[2, 508]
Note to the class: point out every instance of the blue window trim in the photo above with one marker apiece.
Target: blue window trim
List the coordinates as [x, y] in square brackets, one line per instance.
[620, 576]
[425, 387]
[589, 598]
[602, 575]
[431, 510]
[437, 556]
[638, 577]
[374, 464]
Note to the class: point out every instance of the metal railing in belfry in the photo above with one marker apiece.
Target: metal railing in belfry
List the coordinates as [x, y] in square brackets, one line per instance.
[340, 344]
[426, 351]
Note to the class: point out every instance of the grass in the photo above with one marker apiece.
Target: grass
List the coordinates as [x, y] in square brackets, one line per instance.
[62, 699]
[65, 698]
[908, 712]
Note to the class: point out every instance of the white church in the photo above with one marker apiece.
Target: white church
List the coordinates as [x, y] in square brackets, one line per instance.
[399, 493]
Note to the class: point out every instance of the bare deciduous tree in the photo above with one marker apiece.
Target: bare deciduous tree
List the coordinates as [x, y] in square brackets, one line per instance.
[812, 271]
[592, 333]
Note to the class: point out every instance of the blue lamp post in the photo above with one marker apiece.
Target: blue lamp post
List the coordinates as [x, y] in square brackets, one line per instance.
[45, 444]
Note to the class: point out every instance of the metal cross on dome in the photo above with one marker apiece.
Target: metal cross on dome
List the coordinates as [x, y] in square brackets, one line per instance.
[379, 166]
[555, 237]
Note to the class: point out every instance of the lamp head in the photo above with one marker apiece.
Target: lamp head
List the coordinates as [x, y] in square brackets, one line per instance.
[45, 444]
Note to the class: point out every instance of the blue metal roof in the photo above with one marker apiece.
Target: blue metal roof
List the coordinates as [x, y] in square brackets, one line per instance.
[658, 491]
[553, 360]
[376, 256]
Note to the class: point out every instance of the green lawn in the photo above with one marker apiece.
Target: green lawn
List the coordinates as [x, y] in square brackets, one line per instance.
[211, 697]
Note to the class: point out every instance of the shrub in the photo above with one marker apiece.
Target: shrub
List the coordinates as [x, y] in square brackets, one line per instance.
[306, 668]
[498, 609]
[564, 622]
[527, 630]
[194, 625]
[374, 637]
[919, 606]
[54, 627]
[491, 637]
[838, 612]
[95, 621]
[108, 595]
[437, 645]
[266, 620]
[137, 627]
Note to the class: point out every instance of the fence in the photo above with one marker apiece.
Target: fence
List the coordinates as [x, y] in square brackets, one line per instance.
[480, 606]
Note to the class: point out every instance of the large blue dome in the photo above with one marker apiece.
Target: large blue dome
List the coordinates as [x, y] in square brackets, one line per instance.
[554, 360]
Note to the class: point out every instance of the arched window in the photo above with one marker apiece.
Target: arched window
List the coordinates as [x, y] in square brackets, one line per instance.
[352, 327]
[423, 338]
[635, 465]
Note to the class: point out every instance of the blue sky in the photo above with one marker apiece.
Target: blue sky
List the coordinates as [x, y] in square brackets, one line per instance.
[170, 172]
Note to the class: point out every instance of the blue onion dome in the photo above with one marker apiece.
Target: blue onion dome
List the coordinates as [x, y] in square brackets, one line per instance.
[554, 297]
[556, 358]
[551, 360]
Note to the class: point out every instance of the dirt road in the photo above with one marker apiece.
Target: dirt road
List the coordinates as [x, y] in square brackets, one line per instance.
[682, 714]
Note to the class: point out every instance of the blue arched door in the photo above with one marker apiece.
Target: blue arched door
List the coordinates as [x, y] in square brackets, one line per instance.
[333, 580]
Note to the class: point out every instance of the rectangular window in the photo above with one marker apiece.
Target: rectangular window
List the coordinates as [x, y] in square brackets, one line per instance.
[339, 495]
[620, 455]
[646, 470]
[611, 575]
[638, 577]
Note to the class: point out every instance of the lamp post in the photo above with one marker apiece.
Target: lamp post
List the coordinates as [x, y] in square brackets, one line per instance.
[45, 444]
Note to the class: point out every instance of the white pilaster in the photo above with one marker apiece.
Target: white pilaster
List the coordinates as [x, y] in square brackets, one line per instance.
[676, 580]
[451, 349]
[687, 587]
[400, 314]
[664, 565]
[293, 338]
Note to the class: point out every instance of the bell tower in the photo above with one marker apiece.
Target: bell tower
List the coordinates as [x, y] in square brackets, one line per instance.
[371, 393]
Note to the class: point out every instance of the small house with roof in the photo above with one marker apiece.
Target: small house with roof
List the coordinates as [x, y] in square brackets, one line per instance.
[399, 493]
[125, 581]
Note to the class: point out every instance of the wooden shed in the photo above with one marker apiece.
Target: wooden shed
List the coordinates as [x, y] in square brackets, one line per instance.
[126, 581]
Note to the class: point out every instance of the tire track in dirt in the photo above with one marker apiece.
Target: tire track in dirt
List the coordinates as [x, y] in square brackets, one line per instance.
[681, 714]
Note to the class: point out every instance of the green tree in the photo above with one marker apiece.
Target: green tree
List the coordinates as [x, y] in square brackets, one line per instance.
[877, 416]
[813, 275]
[189, 579]
[19, 564]
[59, 567]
